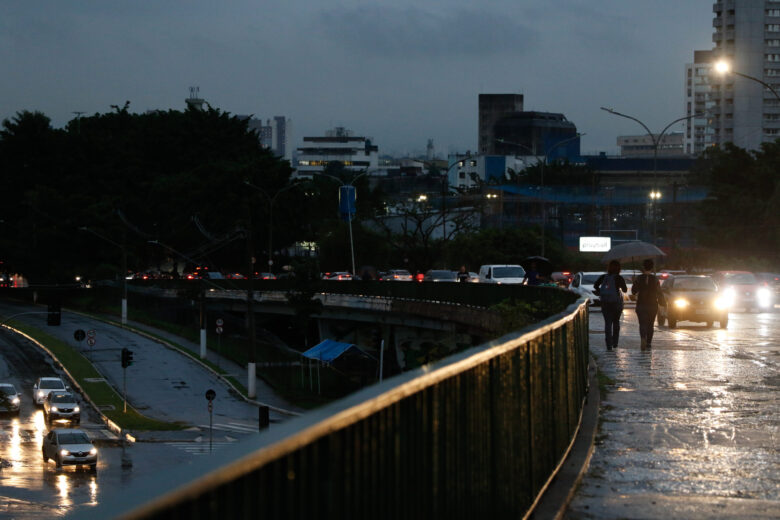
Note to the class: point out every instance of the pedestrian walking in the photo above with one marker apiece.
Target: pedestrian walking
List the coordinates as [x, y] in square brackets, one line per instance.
[607, 288]
[463, 274]
[648, 296]
[532, 275]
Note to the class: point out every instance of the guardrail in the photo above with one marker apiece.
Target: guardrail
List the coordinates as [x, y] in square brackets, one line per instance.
[479, 434]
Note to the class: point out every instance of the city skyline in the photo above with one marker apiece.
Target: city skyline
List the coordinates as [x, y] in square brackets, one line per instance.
[398, 72]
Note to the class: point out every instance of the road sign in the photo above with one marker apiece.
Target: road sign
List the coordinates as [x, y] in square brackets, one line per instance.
[219, 330]
[91, 342]
[91, 333]
[220, 322]
[210, 394]
[79, 335]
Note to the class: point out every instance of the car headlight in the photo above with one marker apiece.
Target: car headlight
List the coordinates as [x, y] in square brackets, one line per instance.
[76, 409]
[15, 400]
[40, 394]
[681, 303]
[764, 297]
[722, 303]
[64, 453]
[54, 409]
[93, 451]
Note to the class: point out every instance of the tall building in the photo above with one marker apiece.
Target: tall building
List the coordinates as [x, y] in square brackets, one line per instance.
[697, 101]
[274, 134]
[493, 107]
[747, 35]
[535, 133]
[357, 154]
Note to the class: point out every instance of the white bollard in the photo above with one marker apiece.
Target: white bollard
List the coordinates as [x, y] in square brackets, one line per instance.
[252, 383]
[202, 343]
[124, 311]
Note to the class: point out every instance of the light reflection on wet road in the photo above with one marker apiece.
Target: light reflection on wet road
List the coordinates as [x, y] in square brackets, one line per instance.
[691, 428]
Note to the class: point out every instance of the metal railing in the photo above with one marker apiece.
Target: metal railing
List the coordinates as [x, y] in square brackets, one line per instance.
[479, 434]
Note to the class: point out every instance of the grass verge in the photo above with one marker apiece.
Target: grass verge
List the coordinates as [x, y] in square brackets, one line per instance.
[105, 397]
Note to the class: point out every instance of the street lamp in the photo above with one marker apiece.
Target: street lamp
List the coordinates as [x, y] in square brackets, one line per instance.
[723, 67]
[271, 199]
[656, 142]
[542, 164]
[124, 269]
[349, 214]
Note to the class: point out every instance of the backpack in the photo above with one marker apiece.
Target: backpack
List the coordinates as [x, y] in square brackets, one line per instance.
[608, 291]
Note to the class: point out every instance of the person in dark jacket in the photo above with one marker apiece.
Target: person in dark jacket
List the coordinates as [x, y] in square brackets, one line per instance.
[648, 295]
[608, 288]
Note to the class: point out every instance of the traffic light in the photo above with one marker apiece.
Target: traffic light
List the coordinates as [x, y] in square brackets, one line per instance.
[127, 357]
[54, 315]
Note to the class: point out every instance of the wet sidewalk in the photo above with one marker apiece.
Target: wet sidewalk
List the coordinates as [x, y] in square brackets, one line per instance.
[690, 428]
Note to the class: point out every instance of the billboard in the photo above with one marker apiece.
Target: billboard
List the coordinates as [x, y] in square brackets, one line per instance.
[595, 244]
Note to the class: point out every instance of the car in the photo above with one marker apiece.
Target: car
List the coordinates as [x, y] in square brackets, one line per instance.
[10, 400]
[745, 290]
[265, 276]
[695, 298]
[69, 447]
[339, 275]
[440, 275]
[61, 405]
[398, 275]
[562, 278]
[501, 273]
[772, 280]
[44, 385]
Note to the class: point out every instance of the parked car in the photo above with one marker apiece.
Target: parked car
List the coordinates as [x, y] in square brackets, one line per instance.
[69, 447]
[501, 273]
[695, 298]
[10, 401]
[61, 405]
[440, 275]
[745, 290]
[340, 276]
[44, 385]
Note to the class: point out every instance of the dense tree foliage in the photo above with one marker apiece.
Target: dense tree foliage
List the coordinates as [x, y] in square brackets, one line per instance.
[741, 211]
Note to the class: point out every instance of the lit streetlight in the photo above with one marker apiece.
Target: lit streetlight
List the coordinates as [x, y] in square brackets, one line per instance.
[723, 67]
[656, 138]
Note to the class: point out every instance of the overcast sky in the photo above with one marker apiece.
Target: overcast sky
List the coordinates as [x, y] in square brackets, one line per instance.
[399, 71]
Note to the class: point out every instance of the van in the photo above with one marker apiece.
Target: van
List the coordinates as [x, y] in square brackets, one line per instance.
[501, 273]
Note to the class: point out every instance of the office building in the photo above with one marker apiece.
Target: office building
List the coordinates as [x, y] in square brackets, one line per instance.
[697, 103]
[670, 145]
[356, 153]
[747, 35]
[492, 108]
[274, 134]
[536, 133]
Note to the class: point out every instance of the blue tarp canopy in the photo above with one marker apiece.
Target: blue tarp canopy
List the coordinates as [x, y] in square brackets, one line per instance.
[329, 350]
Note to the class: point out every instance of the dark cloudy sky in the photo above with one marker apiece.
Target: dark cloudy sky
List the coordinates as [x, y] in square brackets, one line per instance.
[400, 71]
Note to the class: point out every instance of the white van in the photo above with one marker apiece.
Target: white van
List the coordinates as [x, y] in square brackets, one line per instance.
[501, 273]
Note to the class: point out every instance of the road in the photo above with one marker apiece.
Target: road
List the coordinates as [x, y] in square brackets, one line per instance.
[164, 385]
[688, 429]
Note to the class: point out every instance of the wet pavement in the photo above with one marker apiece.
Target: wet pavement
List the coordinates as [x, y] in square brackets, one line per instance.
[690, 428]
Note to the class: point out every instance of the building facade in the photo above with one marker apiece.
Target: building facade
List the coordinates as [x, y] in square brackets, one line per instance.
[697, 103]
[274, 134]
[356, 153]
[536, 133]
[670, 145]
[492, 108]
[747, 36]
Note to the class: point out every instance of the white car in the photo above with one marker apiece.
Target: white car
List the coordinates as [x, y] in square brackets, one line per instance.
[503, 273]
[44, 385]
[61, 405]
[582, 284]
[69, 447]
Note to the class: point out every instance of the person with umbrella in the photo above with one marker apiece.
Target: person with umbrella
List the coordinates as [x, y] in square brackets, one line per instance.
[648, 290]
[607, 287]
[537, 270]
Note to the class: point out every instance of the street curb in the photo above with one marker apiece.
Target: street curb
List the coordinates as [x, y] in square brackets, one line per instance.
[108, 422]
[556, 498]
[190, 355]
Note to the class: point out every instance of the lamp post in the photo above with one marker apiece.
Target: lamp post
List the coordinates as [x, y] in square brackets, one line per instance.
[349, 214]
[124, 269]
[271, 199]
[723, 67]
[542, 164]
[654, 194]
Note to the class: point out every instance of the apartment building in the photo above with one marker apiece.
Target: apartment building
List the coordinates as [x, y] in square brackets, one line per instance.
[697, 134]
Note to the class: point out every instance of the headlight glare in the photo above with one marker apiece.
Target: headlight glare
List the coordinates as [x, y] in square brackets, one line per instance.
[64, 453]
[15, 400]
[681, 303]
[722, 303]
[54, 409]
[76, 409]
[764, 297]
[40, 393]
[93, 451]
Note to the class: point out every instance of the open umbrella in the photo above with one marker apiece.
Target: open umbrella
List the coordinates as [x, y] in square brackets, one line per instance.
[632, 251]
[543, 266]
